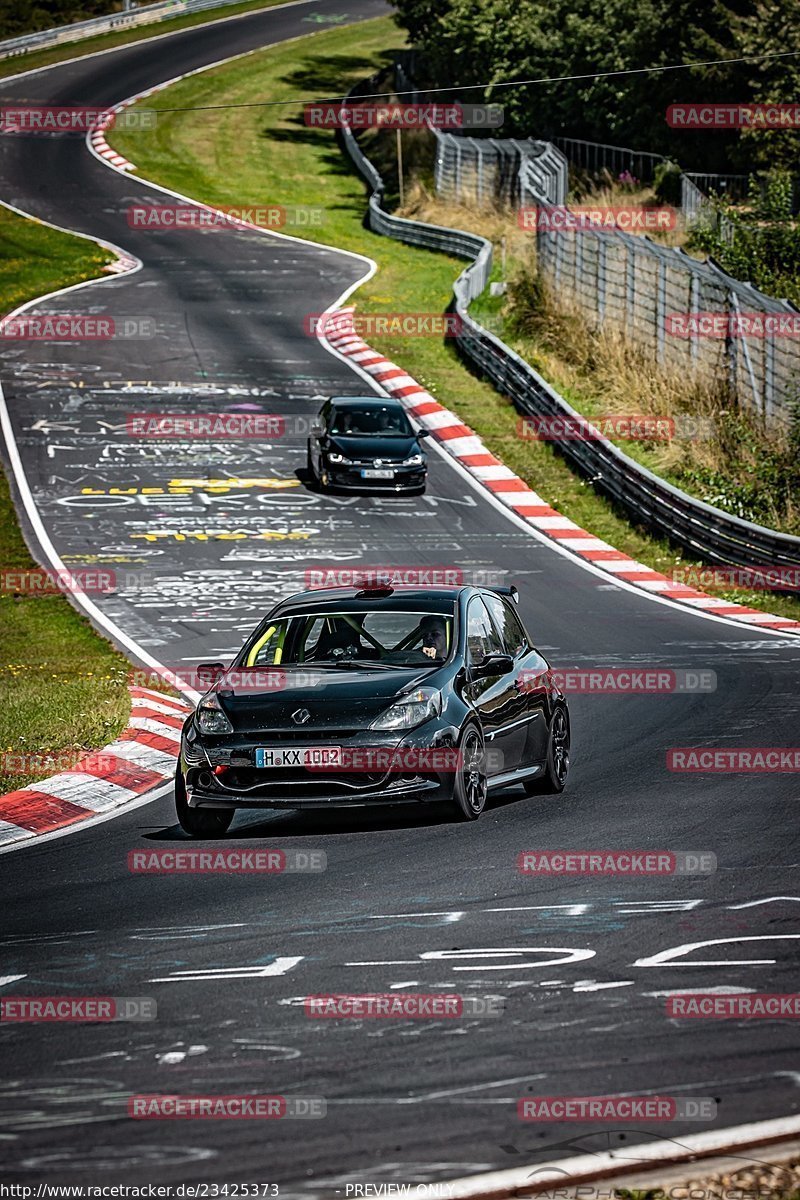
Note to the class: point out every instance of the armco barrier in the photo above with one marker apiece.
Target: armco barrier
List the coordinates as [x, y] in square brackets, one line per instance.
[146, 15]
[705, 531]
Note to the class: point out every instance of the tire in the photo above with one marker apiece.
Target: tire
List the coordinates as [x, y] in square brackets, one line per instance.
[556, 770]
[470, 786]
[200, 822]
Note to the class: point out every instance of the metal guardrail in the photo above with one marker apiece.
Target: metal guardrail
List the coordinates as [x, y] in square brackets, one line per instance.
[700, 528]
[164, 10]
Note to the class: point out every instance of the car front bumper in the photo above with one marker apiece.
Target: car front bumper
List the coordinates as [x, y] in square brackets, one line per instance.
[240, 784]
[405, 479]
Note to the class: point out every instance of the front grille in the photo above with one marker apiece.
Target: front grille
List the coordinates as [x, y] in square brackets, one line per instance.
[304, 785]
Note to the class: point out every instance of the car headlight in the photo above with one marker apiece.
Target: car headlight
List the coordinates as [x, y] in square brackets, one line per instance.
[414, 461]
[338, 458]
[211, 718]
[410, 710]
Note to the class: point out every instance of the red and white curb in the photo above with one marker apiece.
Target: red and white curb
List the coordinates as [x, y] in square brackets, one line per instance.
[97, 138]
[464, 445]
[142, 757]
[563, 1177]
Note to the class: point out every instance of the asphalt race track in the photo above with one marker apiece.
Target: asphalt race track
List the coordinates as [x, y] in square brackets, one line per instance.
[409, 900]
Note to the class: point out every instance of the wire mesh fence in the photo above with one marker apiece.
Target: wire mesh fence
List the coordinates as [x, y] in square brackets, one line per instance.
[688, 313]
[706, 531]
[509, 171]
[691, 315]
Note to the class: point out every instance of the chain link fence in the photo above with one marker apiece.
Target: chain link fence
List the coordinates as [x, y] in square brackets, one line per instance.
[706, 531]
[688, 313]
[490, 170]
[473, 170]
[646, 290]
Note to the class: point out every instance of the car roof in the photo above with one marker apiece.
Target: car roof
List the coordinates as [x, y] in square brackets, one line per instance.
[344, 599]
[371, 401]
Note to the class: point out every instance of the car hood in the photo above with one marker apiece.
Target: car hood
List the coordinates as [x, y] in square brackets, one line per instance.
[375, 447]
[345, 701]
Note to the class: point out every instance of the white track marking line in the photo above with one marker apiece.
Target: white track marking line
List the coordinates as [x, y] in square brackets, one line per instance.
[158, 37]
[489, 496]
[32, 512]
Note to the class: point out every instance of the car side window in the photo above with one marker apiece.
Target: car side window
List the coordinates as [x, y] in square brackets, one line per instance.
[482, 638]
[507, 624]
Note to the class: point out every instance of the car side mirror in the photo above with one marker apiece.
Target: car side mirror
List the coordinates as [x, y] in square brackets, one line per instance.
[423, 433]
[317, 426]
[208, 673]
[493, 664]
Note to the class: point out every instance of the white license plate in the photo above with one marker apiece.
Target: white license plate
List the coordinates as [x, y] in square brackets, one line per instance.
[298, 756]
[376, 473]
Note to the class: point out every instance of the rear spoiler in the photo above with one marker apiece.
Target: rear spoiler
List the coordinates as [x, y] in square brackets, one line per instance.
[506, 591]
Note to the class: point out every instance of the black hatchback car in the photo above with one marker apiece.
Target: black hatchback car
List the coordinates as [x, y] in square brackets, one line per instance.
[366, 443]
[345, 697]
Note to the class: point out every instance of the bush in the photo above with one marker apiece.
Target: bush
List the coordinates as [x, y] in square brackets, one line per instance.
[667, 183]
[760, 242]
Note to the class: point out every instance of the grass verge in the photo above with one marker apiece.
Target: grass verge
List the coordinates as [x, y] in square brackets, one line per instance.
[237, 157]
[64, 686]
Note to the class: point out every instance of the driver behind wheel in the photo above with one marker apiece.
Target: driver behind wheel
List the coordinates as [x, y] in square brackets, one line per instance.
[434, 637]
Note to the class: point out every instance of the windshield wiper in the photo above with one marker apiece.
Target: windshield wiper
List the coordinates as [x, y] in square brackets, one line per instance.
[361, 664]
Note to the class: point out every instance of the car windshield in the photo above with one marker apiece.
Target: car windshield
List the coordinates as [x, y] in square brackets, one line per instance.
[371, 639]
[371, 421]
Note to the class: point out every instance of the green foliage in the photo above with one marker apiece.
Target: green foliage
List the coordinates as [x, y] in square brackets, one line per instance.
[667, 183]
[28, 16]
[500, 40]
[755, 478]
[760, 242]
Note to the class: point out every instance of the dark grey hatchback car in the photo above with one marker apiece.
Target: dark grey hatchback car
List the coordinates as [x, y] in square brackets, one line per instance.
[366, 444]
[355, 698]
